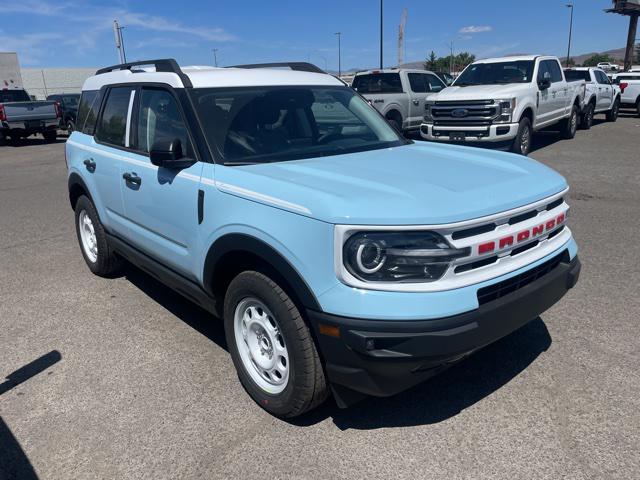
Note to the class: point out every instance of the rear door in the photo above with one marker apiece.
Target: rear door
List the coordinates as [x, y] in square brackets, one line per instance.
[161, 204]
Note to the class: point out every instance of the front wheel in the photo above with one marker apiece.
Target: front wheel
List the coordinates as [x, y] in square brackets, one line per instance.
[612, 115]
[570, 125]
[638, 107]
[587, 118]
[70, 127]
[522, 143]
[271, 347]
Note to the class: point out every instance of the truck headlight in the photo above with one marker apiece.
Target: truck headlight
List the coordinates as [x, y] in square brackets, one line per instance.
[399, 256]
[428, 116]
[506, 108]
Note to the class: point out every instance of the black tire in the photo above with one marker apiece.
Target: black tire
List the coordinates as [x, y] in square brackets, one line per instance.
[3, 139]
[107, 262]
[612, 115]
[395, 122]
[522, 143]
[50, 136]
[70, 127]
[570, 125]
[638, 107]
[306, 387]
[586, 122]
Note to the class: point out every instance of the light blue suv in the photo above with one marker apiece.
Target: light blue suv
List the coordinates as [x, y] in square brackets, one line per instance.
[342, 257]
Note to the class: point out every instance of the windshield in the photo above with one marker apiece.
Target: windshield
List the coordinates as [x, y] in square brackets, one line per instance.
[496, 73]
[377, 83]
[14, 96]
[271, 124]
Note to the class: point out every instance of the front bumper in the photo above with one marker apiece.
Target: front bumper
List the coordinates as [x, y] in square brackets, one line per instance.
[499, 132]
[382, 358]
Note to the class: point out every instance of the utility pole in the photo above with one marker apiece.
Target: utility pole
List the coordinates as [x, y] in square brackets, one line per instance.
[569, 5]
[381, 25]
[117, 32]
[339, 34]
[215, 56]
[451, 58]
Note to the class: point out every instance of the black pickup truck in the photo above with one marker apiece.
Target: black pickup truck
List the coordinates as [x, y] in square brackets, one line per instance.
[21, 117]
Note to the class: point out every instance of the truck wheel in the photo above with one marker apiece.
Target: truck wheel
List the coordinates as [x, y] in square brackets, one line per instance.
[50, 136]
[395, 121]
[638, 107]
[570, 125]
[586, 122]
[3, 139]
[70, 127]
[271, 347]
[97, 254]
[612, 115]
[522, 143]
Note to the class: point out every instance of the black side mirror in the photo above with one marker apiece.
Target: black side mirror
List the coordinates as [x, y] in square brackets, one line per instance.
[169, 155]
[545, 82]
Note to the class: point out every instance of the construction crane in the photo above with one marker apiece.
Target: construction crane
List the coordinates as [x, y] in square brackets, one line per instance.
[403, 24]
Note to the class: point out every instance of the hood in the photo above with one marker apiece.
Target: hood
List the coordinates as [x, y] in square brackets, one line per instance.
[480, 92]
[415, 184]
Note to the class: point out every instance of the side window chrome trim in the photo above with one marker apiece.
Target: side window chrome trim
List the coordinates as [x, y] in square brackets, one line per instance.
[127, 131]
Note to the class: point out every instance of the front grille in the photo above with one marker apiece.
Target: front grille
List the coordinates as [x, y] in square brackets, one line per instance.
[500, 289]
[477, 112]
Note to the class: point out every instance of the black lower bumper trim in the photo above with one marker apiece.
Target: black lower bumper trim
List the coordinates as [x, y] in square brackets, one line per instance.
[382, 357]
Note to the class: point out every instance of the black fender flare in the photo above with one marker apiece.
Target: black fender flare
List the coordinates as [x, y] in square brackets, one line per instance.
[75, 181]
[238, 242]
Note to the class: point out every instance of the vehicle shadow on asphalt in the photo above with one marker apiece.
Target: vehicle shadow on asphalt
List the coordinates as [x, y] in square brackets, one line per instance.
[447, 394]
[199, 319]
[14, 463]
[31, 141]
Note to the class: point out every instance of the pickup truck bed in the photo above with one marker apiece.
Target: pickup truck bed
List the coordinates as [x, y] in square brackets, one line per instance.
[23, 117]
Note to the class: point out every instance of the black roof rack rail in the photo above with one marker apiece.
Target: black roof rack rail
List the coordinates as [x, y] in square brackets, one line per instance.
[162, 65]
[299, 66]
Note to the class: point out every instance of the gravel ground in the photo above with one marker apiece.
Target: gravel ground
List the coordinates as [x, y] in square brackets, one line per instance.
[123, 378]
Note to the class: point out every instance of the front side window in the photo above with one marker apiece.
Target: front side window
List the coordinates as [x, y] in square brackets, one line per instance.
[269, 124]
[554, 69]
[434, 84]
[496, 73]
[417, 83]
[377, 83]
[113, 123]
[602, 78]
[160, 122]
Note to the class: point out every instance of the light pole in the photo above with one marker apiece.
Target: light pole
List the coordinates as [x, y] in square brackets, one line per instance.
[570, 5]
[339, 34]
[381, 17]
[215, 56]
[117, 30]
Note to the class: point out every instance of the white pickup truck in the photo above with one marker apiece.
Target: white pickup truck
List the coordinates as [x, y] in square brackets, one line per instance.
[629, 84]
[398, 94]
[503, 101]
[601, 96]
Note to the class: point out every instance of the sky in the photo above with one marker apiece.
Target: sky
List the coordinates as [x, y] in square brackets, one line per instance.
[78, 33]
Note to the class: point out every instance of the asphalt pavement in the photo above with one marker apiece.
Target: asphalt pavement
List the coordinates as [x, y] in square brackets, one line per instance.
[123, 378]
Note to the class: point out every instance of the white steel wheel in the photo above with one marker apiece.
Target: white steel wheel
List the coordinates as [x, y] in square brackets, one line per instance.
[261, 345]
[88, 236]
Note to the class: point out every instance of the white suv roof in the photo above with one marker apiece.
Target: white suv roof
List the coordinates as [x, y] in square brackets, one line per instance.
[205, 76]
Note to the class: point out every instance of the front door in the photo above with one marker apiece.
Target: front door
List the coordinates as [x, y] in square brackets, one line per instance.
[605, 91]
[161, 205]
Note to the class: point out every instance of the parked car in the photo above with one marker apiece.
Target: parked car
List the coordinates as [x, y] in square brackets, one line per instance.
[608, 66]
[502, 101]
[69, 104]
[21, 117]
[398, 94]
[446, 77]
[601, 95]
[629, 84]
[342, 257]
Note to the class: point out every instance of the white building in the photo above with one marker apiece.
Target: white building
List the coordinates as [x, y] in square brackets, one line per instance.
[40, 82]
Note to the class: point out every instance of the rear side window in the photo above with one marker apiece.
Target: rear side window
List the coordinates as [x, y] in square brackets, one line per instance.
[601, 77]
[575, 75]
[88, 111]
[160, 121]
[113, 122]
[377, 83]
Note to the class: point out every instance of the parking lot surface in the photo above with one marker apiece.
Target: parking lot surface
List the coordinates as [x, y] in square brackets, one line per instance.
[123, 378]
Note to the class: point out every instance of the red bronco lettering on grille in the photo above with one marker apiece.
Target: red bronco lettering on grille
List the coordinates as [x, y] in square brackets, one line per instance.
[509, 240]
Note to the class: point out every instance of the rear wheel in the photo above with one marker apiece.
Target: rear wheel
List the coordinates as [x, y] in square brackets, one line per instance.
[50, 136]
[522, 143]
[70, 127]
[395, 121]
[587, 117]
[97, 254]
[638, 107]
[570, 125]
[612, 115]
[271, 347]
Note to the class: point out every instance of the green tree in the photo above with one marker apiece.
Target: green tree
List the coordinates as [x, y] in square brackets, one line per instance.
[431, 62]
[594, 60]
[463, 59]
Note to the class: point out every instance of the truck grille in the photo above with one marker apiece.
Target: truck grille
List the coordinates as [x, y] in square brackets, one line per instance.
[461, 112]
[500, 289]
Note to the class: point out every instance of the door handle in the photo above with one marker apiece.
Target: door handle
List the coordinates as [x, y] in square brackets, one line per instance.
[132, 178]
[416, 102]
[90, 164]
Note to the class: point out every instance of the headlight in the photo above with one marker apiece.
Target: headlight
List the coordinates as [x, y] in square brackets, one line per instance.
[399, 256]
[428, 117]
[506, 108]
